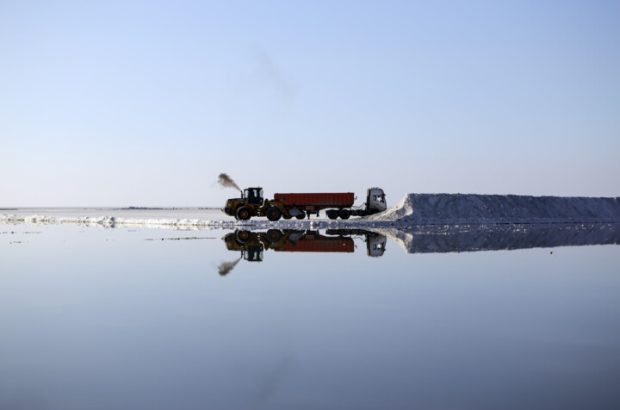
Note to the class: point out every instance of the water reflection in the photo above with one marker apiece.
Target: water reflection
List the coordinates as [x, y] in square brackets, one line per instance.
[470, 238]
[253, 244]
[417, 239]
[310, 330]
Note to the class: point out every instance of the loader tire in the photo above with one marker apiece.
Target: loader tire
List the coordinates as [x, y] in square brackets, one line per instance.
[243, 213]
[243, 236]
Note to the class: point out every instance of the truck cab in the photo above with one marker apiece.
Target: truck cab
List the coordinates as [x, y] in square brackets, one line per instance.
[375, 200]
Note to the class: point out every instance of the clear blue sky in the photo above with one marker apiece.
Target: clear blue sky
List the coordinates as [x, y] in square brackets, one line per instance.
[145, 103]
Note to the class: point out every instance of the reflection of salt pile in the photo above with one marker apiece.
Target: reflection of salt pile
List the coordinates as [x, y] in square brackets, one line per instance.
[491, 209]
[468, 238]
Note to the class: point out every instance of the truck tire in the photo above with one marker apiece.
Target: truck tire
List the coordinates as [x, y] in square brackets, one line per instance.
[243, 213]
[274, 235]
[273, 213]
[300, 216]
[344, 213]
[332, 214]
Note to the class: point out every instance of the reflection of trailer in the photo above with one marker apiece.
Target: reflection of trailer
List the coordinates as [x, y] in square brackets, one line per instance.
[315, 242]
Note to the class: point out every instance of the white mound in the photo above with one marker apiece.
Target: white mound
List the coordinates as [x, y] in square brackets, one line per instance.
[492, 209]
[401, 210]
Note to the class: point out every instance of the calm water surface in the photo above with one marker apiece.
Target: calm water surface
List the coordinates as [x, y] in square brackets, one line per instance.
[143, 319]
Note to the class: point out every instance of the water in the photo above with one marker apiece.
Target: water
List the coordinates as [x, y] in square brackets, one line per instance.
[141, 318]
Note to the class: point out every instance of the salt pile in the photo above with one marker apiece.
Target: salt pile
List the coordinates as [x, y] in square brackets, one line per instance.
[493, 209]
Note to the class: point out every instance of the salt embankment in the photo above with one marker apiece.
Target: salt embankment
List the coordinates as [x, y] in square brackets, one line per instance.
[112, 221]
[187, 223]
[108, 221]
[454, 209]
[412, 210]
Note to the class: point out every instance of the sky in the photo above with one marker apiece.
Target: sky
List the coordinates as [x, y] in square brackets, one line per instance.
[145, 103]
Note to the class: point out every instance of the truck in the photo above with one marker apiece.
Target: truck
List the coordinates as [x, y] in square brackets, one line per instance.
[299, 205]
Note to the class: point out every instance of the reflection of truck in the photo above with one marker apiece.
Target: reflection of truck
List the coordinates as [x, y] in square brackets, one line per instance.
[298, 205]
[252, 244]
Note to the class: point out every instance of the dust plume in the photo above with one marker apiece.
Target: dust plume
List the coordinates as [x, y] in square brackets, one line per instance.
[226, 181]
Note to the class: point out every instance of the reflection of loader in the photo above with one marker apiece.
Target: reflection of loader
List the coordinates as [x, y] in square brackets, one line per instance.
[248, 242]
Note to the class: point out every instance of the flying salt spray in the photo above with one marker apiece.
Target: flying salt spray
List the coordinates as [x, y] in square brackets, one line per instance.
[226, 181]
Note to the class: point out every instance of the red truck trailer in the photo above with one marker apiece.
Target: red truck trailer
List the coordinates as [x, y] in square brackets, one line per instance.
[316, 201]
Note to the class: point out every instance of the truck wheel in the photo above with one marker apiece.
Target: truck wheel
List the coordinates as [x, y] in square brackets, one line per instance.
[274, 235]
[344, 213]
[332, 214]
[273, 213]
[243, 213]
[300, 216]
